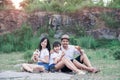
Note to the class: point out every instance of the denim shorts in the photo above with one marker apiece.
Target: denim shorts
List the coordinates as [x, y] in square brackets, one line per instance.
[52, 67]
[46, 65]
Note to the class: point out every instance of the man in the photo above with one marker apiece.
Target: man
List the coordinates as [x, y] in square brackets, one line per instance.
[81, 62]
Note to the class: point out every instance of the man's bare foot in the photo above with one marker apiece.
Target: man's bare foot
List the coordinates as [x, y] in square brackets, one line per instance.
[80, 72]
[95, 70]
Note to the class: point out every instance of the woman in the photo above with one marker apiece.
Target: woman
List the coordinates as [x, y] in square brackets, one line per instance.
[41, 56]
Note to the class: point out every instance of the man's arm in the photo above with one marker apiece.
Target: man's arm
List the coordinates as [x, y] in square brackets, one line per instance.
[79, 49]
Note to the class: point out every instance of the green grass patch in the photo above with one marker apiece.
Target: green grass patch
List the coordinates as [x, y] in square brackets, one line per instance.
[108, 65]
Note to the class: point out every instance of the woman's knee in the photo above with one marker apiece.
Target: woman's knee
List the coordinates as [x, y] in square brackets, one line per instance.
[24, 64]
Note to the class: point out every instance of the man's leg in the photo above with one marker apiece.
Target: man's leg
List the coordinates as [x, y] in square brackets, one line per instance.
[85, 60]
[59, 65]
[71, 66]
[81, 66]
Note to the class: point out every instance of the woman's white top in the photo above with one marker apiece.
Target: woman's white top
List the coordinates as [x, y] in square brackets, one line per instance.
[43, 53]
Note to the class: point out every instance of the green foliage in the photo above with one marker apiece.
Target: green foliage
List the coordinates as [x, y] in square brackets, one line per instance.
[103, 53]
[114, 4]
[112, 46]
[34, 41]
[22, 38]
[73, 40]
[116, 54]
[87, 42]
[43, 29]
[19, 40]
[105, 43]
[51, 33]
[27, 55]
[7, 48]
[55, 5]
[110, 20]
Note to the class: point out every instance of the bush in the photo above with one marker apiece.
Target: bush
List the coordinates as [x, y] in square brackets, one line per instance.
[7, 48]
[115, 4]
[116, 54]
[73, 40]
[27, 55]
[19, 40]
[105, 43]
[51, 33]
[41, 30]
[34, 42]
[87, 42]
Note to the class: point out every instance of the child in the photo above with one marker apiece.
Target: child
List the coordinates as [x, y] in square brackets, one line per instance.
[56, 56]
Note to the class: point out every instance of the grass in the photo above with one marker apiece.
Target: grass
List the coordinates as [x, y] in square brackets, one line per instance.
[110, 68]
[11, 61]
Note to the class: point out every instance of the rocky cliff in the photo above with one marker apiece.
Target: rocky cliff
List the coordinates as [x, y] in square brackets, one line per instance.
[11, 20]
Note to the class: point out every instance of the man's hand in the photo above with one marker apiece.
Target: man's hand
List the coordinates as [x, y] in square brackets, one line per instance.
[79, 49]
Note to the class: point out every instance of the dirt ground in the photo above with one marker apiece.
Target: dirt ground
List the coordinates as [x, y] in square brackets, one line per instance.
[12, 75]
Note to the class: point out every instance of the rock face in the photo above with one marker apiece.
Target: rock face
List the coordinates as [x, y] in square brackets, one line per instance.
[105, 33]
[38, 20]
[11, 20]
[88, 18]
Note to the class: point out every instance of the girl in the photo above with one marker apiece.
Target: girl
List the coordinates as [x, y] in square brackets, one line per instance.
[41, 56]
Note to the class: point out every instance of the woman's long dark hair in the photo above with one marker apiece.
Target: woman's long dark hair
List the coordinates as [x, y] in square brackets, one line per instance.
[48, 44]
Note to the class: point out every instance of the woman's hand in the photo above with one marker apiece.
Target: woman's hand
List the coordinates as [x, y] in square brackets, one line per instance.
[35, 55]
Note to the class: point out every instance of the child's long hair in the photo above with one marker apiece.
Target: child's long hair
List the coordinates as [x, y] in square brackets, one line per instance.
[48, 44]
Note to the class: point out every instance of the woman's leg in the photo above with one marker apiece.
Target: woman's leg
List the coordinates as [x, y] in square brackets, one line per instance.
[27, 67]
[38, 68]
[32, 67]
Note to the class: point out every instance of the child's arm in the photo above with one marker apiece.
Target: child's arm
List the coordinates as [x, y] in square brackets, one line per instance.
[56, 60]
[60, 57]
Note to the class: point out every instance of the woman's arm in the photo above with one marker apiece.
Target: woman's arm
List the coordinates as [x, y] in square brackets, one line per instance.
[35, 55]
